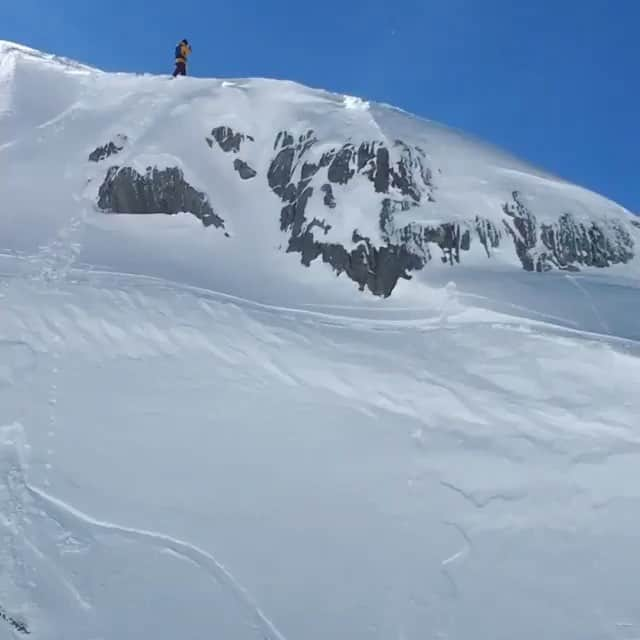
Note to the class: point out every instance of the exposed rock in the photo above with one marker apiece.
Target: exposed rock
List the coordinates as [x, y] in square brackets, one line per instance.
[291, 176]
[340, 170]
[281, 170]
[566, 244]
[522, 231]
[284, 139]
[17, 625]
[400, 175]
[329, 198]
[451, 238]
[245, 171]
[108, 150]
[292, 216]
[571, 243]
[488, 234]
[124, 190]
[228, 139]
[408, 176]
[377, 269]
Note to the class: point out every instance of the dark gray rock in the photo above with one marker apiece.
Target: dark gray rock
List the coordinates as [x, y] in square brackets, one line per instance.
[401, 175]
[377, 269]
[565, 244]
[124, 190]
[329, 198]
[283, 139]
[108, 150]
[281, 171]
[17, 625]
[292, 216]
[409, 177]
[291, 176]
[340, 169]
[228, 139]
[522, 230]
[380, 172]
[572, 243]
[451, 238]
[488, 234]
[244, 170]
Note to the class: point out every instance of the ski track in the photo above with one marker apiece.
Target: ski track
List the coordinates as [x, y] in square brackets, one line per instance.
[14, 477]
[67, 514]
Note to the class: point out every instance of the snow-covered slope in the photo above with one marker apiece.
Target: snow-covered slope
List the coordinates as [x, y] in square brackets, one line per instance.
[205, 433]
[280, 175]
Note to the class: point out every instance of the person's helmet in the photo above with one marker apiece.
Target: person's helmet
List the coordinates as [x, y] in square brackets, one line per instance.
[185, 41]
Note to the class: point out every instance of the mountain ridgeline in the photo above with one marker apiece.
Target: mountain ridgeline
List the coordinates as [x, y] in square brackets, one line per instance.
[270, 168]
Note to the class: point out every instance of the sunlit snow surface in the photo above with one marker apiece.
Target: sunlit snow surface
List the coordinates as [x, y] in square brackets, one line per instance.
[205, 451]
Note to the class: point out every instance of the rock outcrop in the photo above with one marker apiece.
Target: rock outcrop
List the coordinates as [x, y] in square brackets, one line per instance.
[124, 190]
[292, 177]
[109, 149]
[402, 178]
[566, 243]
[228, 139]
[244, 170]
[394, 180]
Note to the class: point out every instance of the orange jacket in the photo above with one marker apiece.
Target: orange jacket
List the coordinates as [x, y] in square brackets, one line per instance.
[185, 52]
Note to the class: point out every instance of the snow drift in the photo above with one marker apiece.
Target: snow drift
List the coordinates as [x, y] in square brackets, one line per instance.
[205, 432]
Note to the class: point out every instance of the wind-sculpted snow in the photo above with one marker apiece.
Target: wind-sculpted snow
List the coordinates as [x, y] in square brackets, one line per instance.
[322, 450]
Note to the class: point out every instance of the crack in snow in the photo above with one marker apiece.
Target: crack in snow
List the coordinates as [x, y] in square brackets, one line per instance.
[465, 551]
[483, 501]
[456, 557]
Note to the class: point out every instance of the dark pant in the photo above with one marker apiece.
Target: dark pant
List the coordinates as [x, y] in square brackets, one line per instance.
[181, 69]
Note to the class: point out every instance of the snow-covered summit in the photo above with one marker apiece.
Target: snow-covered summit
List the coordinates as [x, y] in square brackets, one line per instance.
[15, 49]
[275, 170]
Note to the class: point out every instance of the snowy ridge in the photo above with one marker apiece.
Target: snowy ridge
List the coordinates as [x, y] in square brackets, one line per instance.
[14, 49]
[277, 169]
[205, 433]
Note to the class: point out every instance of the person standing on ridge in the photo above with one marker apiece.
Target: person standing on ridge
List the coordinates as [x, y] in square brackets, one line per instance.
[183, 51]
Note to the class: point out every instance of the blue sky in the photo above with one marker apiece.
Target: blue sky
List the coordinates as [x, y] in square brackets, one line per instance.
[555, 81]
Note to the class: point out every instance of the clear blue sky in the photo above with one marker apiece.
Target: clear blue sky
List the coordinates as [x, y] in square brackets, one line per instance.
[555, 81]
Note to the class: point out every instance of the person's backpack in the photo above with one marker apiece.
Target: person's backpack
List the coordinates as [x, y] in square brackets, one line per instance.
[179, 51]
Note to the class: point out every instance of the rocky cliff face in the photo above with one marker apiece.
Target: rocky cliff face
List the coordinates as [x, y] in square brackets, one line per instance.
[567, 243]
[304, 171]
[295, 179]
[124, 190]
